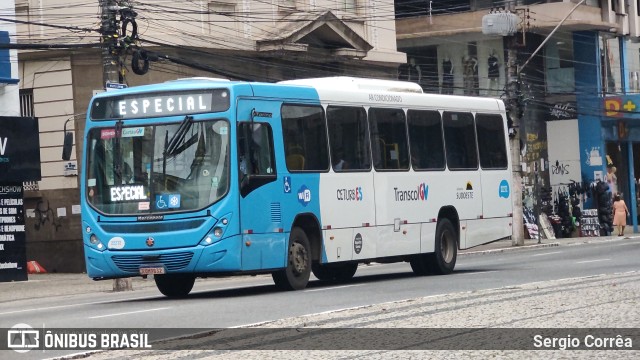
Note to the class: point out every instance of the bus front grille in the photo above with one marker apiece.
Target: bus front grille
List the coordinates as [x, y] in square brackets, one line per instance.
[173, 261]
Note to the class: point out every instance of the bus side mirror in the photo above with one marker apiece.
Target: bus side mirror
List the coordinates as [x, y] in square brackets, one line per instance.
[67, 144]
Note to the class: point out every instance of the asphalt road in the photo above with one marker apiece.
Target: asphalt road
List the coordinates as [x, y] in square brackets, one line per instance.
[240, 301]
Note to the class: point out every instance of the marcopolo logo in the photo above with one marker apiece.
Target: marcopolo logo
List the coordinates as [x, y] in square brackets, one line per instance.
[420, 193]
[22, 338]
[503, 189]
[349, 194]
[304, 195]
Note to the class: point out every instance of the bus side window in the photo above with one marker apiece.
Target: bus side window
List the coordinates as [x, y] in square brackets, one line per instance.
[389, 139]
[256, 155]
[348, 138]
[491, 141]
[256, 158]
[425, 138]
[460, 140]
[304, 136]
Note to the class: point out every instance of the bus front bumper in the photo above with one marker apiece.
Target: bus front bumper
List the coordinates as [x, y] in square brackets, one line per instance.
[220, 257]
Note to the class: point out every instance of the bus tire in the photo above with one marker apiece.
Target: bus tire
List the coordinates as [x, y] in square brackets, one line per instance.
[322, 272]
[443, 259]
[175, 285]
[335, 273]
[296, 275]
[419, 264]
[346, 271]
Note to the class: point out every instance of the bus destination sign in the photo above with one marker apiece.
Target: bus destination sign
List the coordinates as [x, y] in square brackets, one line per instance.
[159, 104]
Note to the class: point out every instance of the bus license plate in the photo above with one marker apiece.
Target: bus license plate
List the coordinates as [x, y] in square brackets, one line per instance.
[151, 270]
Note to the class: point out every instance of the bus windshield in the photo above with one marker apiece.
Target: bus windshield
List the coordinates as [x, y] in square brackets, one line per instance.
[159, 168]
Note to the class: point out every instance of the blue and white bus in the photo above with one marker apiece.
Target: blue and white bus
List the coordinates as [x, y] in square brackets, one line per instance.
[200, 177]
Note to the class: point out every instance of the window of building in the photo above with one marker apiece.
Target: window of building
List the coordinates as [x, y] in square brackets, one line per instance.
[460, 140]
[389, 139]
[223, 19]
[425, 140]
[348, 138]
[26, 103]
[491, 143]
[610, 70]
[559, 64]
[348, 5]
[305, 138]
[287, 5]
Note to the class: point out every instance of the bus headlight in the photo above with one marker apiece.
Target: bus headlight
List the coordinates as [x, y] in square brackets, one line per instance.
[208, 240]
[217, 231]
[93, 239]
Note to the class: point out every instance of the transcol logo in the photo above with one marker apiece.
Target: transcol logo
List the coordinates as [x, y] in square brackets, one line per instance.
[421, 193]
[304, 195]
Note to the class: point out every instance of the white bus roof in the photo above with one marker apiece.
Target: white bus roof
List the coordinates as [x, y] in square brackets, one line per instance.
[352, 83]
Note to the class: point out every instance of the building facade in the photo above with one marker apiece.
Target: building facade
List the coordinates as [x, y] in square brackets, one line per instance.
[249, 39]
[579, 92]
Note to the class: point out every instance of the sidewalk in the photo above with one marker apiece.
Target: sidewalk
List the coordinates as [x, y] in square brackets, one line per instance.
[56, 284]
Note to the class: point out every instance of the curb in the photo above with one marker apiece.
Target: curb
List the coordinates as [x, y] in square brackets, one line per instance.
[512, 248]
[567, 242]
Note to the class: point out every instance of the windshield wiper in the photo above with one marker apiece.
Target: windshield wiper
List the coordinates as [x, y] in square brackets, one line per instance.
[118, 161]
[177, 138]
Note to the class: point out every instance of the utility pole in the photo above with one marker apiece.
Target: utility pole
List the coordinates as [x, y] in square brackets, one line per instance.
[109, 31]
[111, 74]
[505, 23]
[513, 109]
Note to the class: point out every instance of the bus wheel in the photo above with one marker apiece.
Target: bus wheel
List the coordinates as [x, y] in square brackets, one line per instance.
[419, 264]
[338, 273]
[322, 272]
[296, 275]
[175, 285]
[346, 271]
[443, 260]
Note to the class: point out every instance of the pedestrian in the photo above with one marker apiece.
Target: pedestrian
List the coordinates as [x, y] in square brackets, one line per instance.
[620, 213]
[612, 180]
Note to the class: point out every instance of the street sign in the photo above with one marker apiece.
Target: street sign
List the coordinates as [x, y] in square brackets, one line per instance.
[114, 86]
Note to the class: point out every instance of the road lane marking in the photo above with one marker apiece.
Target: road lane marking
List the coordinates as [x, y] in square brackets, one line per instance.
[334, 287]
[128, 313]
[549, 253]
[148, 297]
[79, 304]
[471, 272]
[590, 261]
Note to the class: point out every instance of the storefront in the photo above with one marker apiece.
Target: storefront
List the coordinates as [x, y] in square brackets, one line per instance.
[621, 137]
[19, 162]
[465, 67]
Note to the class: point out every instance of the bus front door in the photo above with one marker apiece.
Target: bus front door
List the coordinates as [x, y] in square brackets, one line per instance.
[263, 242]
